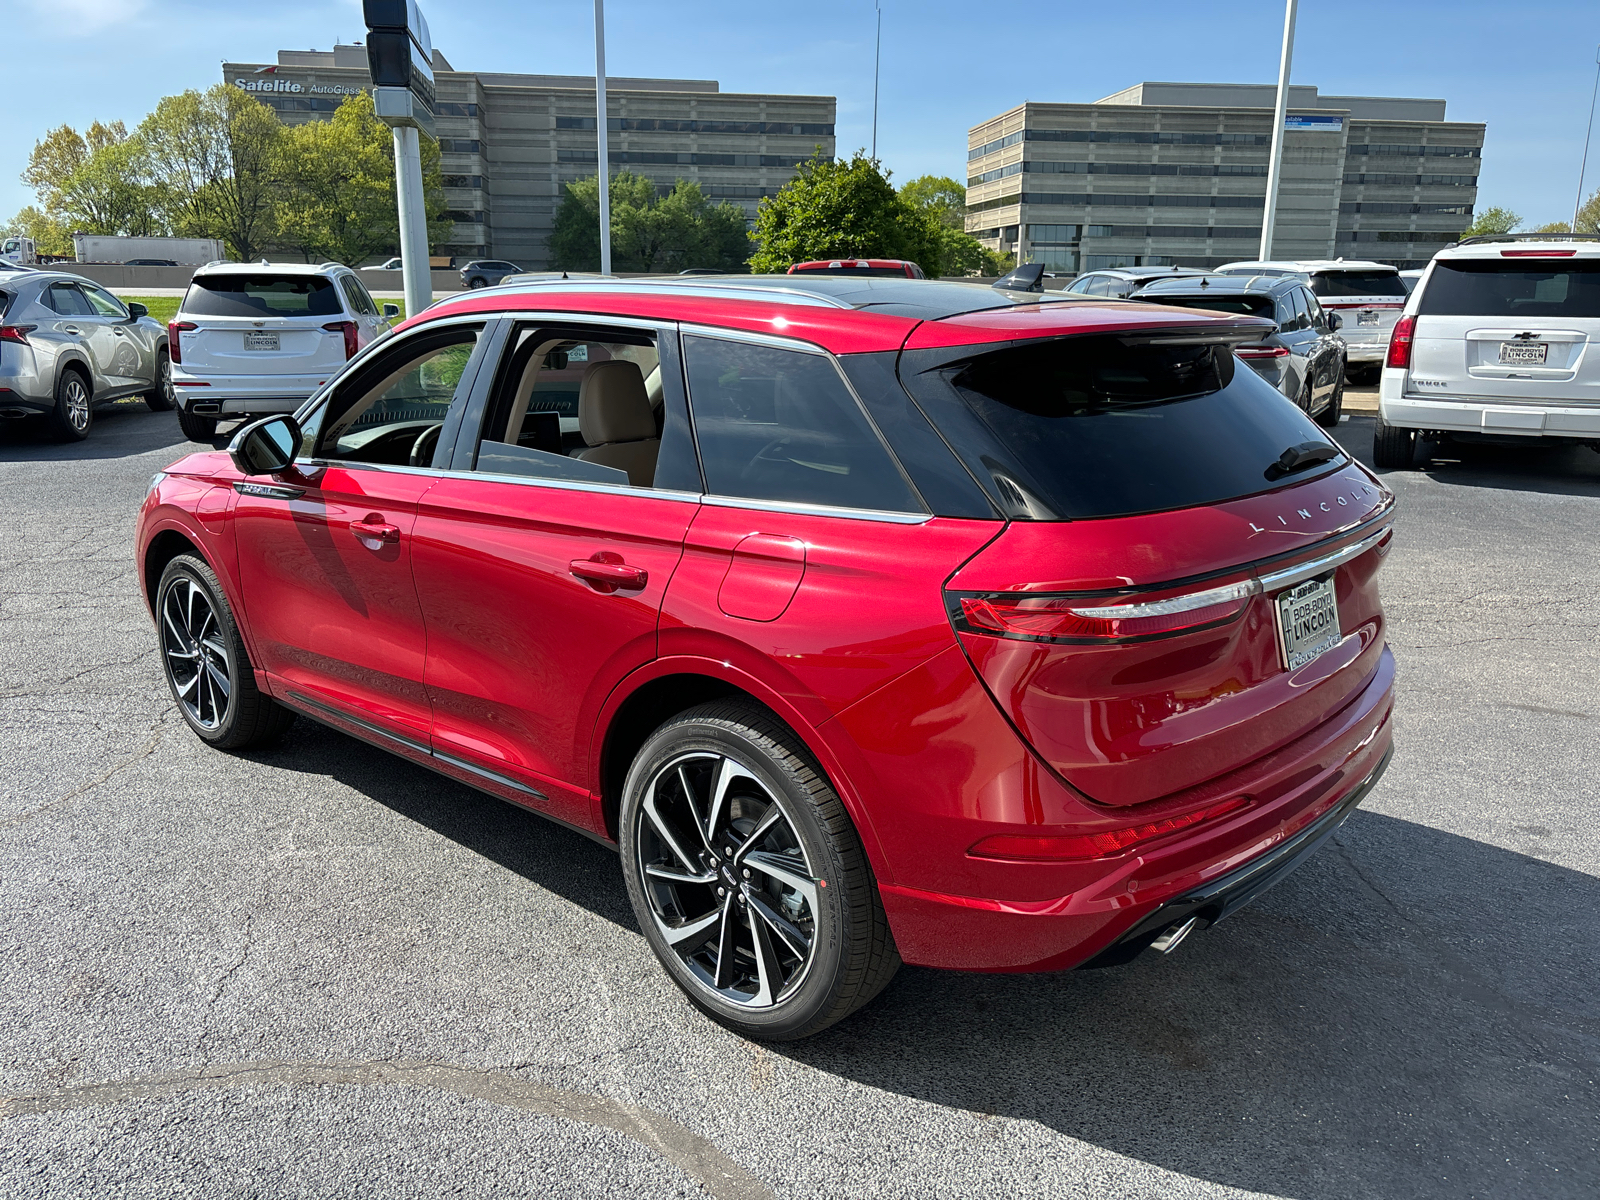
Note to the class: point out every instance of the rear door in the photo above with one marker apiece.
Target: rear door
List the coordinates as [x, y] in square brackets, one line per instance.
[326, 565]
[132, 362]
[1519, 327]
[78, 323]
[262, 324]
[541, 575]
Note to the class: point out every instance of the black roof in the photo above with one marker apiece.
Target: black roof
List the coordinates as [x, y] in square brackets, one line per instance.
[927, 299]
[1265, 285]
[1144, 272]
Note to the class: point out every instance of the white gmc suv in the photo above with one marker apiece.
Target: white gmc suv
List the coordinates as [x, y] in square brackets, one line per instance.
[251, 339]
[1499, 341]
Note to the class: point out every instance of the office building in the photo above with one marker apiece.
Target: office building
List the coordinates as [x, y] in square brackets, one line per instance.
[1176, 173]
[509, 142]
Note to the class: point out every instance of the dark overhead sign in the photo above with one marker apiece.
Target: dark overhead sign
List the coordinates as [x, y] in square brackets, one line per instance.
[399, 48]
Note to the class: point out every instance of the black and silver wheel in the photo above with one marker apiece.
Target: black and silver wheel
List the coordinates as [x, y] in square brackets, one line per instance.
[197, 429]
[1392, 446]
[205, 661]
[74, 410]
[747, 877]
[478, 281]
[160, 397]
[1329, 417]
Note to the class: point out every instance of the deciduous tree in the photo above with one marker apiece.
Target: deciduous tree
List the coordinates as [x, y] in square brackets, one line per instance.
[1492, 220]
[649, 232]
[97, 182]
[943, 201]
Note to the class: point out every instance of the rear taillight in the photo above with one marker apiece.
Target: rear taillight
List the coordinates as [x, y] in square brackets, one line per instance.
[1097, 845]
[1400, 343]
[1537, 253]
[1258, 352]
[16, 333]
[348, 328]
[174, 342]
[1079, 619]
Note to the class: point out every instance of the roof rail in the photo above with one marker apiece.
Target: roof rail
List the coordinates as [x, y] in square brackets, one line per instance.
[1481, 238]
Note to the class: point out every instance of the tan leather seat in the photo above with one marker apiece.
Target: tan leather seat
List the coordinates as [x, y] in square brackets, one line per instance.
[617, 422]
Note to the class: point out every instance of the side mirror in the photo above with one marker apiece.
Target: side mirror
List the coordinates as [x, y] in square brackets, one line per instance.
[391, 311]
[136, 310]
[1335, 322]
[265, 447]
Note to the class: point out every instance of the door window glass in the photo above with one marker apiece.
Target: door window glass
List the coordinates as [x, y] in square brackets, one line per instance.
[356, 294]
[776, 424]
[68, 301]
[1319, 320]
[392, 411]
[105, 304]
[1302, 319]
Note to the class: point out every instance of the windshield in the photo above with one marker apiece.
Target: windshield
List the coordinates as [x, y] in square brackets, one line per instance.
[262, 296]
[1512, 288]
[1090, 427]
[1249, 306]
[1357, 283]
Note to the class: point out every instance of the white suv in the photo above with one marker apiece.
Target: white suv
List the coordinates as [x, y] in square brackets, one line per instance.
[1368, 296]
[252, 339]
[1500, 340]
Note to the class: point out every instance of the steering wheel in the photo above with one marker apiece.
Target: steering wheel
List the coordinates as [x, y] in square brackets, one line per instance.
[422, 448]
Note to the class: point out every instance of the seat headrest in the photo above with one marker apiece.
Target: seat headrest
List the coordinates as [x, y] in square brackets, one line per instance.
[613, 405]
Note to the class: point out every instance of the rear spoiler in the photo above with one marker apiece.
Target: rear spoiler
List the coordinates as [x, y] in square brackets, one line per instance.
[1481, 238]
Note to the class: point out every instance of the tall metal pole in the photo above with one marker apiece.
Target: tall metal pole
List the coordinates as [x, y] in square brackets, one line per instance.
[1588, 131]
[414, 268]
[1269, 217]
[602, 127]
[877, 58]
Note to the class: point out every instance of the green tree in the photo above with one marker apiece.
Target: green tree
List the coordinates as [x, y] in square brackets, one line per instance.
[1552, 227]
[1492, 220]
[97, 182]
[943, 201]
[49, 235]
[1588, 218]
[337, 186]
[213, 156]
[649, 232]
[939, 197]
[841, 210]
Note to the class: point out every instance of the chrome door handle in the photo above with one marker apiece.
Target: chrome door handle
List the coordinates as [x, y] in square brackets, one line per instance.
[118, 332]
[72, 329]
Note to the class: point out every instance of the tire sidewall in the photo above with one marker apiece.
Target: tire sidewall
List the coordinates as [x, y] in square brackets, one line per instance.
[63, 424]
[188, 567]
[818, 991]
[160, 397]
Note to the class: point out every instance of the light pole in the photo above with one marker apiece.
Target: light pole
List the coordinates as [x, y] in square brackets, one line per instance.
[877, 58]
[1269, 216]
[602, 128]
[400, 58]
[1588, 131]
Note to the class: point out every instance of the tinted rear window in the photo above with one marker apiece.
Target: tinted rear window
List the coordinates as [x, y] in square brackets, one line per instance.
[899, 272]
[1357, 283]
[262, 296]
[1250, 306]
[1089, 427]
[1512, 288]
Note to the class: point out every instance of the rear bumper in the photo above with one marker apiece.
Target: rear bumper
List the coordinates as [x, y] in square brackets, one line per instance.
[1365, 353]
[1501, 418]
[213, 395]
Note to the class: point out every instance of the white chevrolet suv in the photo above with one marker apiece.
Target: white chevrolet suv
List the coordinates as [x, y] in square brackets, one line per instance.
[1499, 341]
[1368, 296]
[251, 339]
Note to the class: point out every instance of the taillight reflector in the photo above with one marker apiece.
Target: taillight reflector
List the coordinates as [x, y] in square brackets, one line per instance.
[1096, 845]
[1400, 344]
[16, 333]
[1255, 352]
[348, 328]
[174, 342]
[1077, 619]
[1537, 253]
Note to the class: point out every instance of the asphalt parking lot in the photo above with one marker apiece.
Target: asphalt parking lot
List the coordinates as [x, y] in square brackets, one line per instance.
[320, 970]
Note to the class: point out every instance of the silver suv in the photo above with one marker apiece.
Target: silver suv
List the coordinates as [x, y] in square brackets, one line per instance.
[1500, 341]
[68, 346]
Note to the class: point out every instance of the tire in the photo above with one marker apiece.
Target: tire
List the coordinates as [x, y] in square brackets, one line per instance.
[476, 282]
[73, 414]
[197, 429]
[1393, 447]
[799, 925]
[207, 668]
[160, 398]
[1304, 398]
[1362, 376]
[1329, 417]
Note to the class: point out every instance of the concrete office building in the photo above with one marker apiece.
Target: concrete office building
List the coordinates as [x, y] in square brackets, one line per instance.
[509, 142]
[1176, 173]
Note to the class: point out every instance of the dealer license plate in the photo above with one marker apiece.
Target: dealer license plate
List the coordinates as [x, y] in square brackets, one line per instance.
[261, 341]
[1523, 353]
[1308, 621]
[1368, 316]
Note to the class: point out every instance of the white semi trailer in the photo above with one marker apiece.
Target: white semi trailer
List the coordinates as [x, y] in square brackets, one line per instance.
[185, 252]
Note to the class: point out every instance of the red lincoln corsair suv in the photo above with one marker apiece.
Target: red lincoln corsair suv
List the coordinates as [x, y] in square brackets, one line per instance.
[869, 619]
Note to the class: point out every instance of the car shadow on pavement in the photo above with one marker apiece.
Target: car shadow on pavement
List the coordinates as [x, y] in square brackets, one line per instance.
[120, 430]
[1556, 471]
[1411, 1014]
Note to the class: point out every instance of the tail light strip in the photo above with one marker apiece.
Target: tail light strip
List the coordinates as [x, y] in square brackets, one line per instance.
[1400, 343]
[1254, 352]
[175, 330]
[1097, 845]
[1036, 617]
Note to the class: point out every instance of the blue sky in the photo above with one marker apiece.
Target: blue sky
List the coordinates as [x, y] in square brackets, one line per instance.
[1525, 71]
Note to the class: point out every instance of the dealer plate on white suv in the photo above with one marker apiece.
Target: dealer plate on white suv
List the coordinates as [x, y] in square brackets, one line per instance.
[1308, 621]
[261, 341]
[1523, 353]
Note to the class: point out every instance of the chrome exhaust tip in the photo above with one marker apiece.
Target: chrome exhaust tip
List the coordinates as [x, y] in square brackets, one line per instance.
[1167, 940]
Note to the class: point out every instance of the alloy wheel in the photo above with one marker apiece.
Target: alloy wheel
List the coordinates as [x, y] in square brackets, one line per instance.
[77, 403]
[730, 887]
[165, 380]
[196, 653]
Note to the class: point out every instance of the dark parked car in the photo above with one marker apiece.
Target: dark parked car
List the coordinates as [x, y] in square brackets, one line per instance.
[881, 267]
[1122, 282]
[486, 272]
[870, 620]
[151, 262]
[1304, 359]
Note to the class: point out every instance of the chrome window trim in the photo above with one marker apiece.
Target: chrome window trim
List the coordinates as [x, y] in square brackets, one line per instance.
[726, 291]
[818, 510]
[1291, 575]
[572, 318]
[774, 341]
[575, 485]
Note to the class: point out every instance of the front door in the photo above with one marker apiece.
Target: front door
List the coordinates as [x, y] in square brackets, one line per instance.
[541, 567]
[327, 566]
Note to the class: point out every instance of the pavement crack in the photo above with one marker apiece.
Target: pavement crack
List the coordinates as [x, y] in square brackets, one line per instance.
[221, 985]
[698, 1157]
[157, 731]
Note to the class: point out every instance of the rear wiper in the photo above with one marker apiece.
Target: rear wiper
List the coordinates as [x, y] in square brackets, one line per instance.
[1297, 458]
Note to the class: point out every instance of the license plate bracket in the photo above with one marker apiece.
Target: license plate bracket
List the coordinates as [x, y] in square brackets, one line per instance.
[1524, 354]
[1368, 317]
[1308, 621]
[255, 341]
